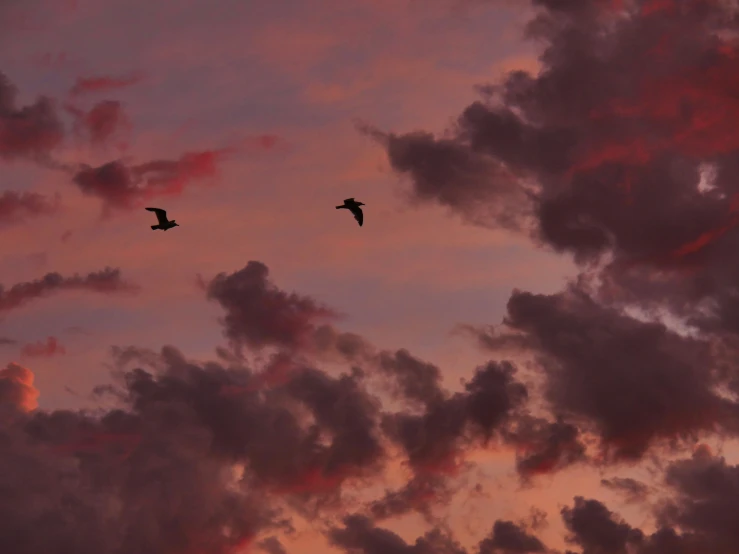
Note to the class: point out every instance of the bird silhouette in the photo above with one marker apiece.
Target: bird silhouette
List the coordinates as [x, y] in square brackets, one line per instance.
[164, 223]
[353, 206]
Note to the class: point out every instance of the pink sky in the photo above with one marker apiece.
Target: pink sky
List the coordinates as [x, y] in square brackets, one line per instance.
[277, 87]
[405, 279]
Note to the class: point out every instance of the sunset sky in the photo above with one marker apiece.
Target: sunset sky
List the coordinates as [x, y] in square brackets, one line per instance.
[529, 347]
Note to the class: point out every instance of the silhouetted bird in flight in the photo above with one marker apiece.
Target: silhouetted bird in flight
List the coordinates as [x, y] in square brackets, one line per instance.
[353, 206]
[164, 223]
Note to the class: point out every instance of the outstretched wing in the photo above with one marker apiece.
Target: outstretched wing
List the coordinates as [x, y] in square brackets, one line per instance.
[358, 215]
[161, 215]
[349, 201]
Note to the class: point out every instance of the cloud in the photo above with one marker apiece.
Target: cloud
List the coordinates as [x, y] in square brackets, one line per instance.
[106, 281]
[258, 314]
[700, 517]
[485, 191]
[706, 488]
[416, 380]
[419, 495]
[598, 156]
[508, 538]
[594, 356]
[104, 83]
[272, 545]
[32, 131]
[261, 427]
[17, 206]
[230, 447]
[621, 153]
[435, 439]
[544, 446]
[635, 491]
[51, 347]
[123, 186]
[596, 529]
[230, 451]
[601, 154]
[131, 495]
[100, 123]
[17, 389]
[360, 535]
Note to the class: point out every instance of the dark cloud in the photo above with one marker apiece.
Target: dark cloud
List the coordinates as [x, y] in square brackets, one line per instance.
[707, 504]
[121, 482]
[419, 495]
[597, 530]
[31, 131]
[700, 515]
[606, 148]
[486, 192]
[635, 381]
[157, 472]
[361, 536]
[106, 281]
[262, 427]
[344, 411]
[434, 439]
[417, 381]
[635, 491]
[330, 342]
[124, 186]
[508, 538]
[17, 206]
[5, 341]
[272, 545]
[544, 446]
[258, 314]
[204, 456]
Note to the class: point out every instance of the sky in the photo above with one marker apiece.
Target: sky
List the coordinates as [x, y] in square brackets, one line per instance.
[529, 346]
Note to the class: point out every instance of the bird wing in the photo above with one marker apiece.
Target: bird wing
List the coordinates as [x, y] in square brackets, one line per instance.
[358, 215]
[349, 200]
[160, 213]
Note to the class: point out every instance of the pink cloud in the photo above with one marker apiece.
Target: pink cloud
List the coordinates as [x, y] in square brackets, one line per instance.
[51, 347]
[87, 85]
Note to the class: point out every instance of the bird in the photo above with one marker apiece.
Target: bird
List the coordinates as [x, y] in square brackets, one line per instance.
[164, 223]
[353, 206]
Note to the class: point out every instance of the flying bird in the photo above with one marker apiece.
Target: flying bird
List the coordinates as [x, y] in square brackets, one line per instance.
[164, 223]
[353, 206]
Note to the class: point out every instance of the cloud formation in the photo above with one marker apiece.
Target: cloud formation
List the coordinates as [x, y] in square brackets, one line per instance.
[103, 83]
[605, 153]
[99, 124]
[227, 446]
[228, 453]
[620, 153]
[43, 349]
[123, 186]
[106, 281]
[19, 206]
[509, 538]
[31, 131]
[17, 389]
[258, 314]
